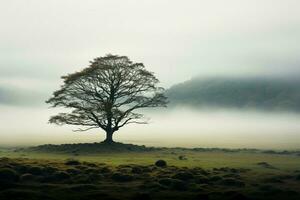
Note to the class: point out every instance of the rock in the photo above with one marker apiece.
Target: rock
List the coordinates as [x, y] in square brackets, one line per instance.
[265, 165]
[161, 163]
[27, 177]
[182, 157]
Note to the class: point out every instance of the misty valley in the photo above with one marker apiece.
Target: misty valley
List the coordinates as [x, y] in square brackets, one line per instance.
[150, 100]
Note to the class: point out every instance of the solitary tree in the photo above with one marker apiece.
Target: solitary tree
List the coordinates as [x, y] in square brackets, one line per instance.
[107, 95]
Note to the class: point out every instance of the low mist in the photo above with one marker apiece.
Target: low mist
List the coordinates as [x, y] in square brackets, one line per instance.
[172, 127]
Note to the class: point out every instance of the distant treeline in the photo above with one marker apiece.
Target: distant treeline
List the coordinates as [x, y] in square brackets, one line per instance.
[259, 93]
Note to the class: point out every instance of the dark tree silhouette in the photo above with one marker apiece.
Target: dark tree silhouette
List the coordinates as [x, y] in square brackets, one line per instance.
[107, 94]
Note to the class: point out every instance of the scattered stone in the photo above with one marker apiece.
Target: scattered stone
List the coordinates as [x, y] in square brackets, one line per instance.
[27, 177]
[265, 165]
[182, 157]
[161, 163]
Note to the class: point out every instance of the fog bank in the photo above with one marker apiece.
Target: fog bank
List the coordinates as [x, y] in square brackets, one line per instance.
[168, 127]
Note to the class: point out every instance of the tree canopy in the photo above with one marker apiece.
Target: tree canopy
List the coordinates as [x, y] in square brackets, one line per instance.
[107, 95]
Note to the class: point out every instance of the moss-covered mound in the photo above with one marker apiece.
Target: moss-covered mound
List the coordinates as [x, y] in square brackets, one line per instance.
[89, 148]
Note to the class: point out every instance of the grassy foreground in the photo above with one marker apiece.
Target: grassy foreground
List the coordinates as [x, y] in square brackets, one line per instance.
[189, 174]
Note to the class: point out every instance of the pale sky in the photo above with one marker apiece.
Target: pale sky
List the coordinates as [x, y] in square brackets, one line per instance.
[42, 40]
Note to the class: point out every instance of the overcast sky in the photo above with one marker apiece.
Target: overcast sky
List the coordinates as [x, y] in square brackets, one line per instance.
[42, 40]
[176, 39]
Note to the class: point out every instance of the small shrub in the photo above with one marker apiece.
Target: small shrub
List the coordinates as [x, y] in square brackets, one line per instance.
[83, 187]
[50, 170]
[82, 178]
[141, 196]
[161, 163]
[137, 170]
[179, 185]
[8, 175]
[72, 162]
[146, 169]
[234, 195]
[73, 171]
[19, 194]
[105, 170]
[35, 170]
[265, 165]
[183, 176]
[60, 176]
[215, 178]
[166, 181]
[200, 179]
[202, 196]
[233, 170]
[237, 176]
[274, 179]
[232, 182]
[121, 177]
[151, 185]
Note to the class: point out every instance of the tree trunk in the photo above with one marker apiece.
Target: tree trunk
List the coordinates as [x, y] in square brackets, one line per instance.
[109, 137]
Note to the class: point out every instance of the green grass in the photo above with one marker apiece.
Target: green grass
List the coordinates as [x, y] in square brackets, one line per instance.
[258, 181]
[206, 160]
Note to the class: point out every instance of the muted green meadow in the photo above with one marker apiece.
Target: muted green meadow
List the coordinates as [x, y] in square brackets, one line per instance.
[188, 174]
[281, 164]
[208, 160]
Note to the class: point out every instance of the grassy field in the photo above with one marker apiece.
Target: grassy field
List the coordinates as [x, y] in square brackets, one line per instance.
[206, 160]
[189, 174]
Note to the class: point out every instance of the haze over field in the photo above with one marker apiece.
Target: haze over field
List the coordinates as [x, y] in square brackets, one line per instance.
[174, 127]
[42, 40]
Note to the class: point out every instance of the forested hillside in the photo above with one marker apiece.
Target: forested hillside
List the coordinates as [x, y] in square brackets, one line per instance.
[269, 94]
